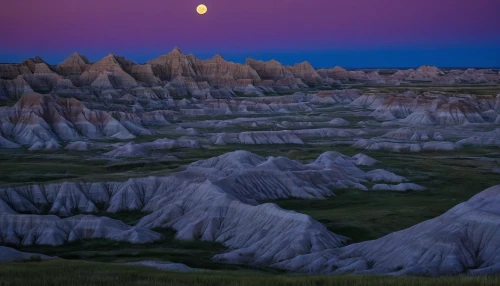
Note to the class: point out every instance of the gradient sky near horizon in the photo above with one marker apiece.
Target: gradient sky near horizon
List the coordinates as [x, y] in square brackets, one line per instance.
[349, 33]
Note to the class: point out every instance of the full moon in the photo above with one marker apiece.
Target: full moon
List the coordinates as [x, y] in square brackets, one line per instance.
[201, 9]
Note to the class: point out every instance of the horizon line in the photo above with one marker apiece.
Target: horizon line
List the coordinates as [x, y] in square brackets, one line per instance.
[261, 57]
[459, 67]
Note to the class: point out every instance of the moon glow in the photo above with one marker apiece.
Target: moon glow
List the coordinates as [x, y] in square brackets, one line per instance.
[201, 9]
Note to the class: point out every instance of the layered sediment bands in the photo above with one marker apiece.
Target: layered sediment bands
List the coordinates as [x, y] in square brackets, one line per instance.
[112, 67]
[217, 71]
[271, 70]
[427, 109]
[173, 64]
[306, 73]
[185, 75]
[75, 64]
[424, 74]
[51, 121]
[38, 119]
[144, 73]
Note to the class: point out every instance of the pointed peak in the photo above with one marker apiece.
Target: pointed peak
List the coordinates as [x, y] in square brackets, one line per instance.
[110, 57]
[76, 57]
[42, 68]
[84, 59]
[102, 81]
[273, 61]
[176, 50]
[218, 57]
[250, 61]
[428, 67]
[38, 60]
[304, 63]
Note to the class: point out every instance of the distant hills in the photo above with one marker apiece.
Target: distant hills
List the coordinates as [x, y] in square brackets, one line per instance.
[183, 74]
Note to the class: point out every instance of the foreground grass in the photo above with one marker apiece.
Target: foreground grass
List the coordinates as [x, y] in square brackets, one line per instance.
[58, 272]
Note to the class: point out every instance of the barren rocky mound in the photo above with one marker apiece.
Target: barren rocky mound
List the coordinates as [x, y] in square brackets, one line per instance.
[114, 110]
[52, 230]
[48, 122]
[489, 138]
[110, 72]
[306, 72]
[424, 74]
[273, 72]
[75, 64]
[215, 71]
[283, 136]
[182, 74]
[41, 121]
[430, 109]
[464, 240]
[214, 200]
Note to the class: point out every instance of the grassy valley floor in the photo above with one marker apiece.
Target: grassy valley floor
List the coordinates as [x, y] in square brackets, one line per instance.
[59, 273]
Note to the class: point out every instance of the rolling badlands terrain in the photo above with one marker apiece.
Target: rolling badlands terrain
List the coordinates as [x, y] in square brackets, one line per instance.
[233, 154]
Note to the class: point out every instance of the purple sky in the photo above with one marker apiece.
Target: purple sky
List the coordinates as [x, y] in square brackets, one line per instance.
[143, 29]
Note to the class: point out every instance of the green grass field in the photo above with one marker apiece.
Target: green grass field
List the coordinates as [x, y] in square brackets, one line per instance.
[193, 253]
[63, 273]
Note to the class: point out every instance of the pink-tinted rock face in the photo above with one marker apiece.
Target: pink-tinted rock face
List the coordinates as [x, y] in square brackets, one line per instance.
[306, 72]
[112, 66]
[336, 73]
[75, 64]
[42, 68]
[38, 119]
[144, 73]
[218, 71]
[215, 71]
[173, 64]
[186, 75]
[270, 70]
[31, 63]
[457, 112]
